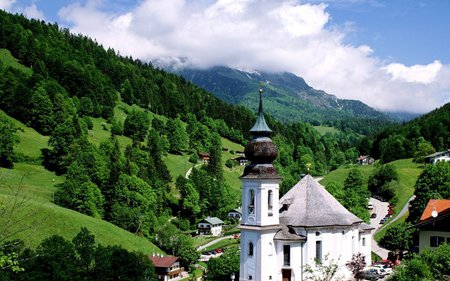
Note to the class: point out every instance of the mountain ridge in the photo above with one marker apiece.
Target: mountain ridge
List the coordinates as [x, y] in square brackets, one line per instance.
[288, 97]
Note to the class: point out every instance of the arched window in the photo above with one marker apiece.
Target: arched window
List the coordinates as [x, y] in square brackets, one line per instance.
[251, 204]
[250, 249]
[270, 202]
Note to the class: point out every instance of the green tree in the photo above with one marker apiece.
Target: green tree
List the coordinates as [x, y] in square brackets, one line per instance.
[136, 125]
[433, 183]
[220, 268]
[176, 133]
[380, 179]
[41, 111]
[397, 237]
[423, 149]
[8, 139]
[215, 168]
[84, 243]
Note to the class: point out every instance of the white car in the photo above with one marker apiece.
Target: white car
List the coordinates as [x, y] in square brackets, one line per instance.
[381, 269]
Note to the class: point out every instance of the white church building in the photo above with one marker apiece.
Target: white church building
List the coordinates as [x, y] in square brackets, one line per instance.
[282, 237]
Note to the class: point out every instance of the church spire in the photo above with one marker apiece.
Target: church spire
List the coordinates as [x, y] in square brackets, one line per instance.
[261, 151]
[260, 124]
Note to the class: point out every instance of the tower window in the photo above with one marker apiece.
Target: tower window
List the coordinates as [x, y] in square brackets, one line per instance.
[364, 241]
[251, 205]
[250, 249]
[287, 255]
[319, 251]
[270, 202]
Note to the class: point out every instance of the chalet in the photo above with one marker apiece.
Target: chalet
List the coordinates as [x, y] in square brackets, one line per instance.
[210, 226]
[438, 156]
[204, 157]
[235, 214]
[242, 161]
[365, 160]
[434, 224]
[167, 268]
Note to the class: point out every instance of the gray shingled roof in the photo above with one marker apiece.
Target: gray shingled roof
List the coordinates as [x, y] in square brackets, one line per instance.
[286, 233]
[213, 220]
[364, 227]
[312, 206]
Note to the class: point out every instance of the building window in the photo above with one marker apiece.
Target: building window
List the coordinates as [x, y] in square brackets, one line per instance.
[364, 241]
[319, 251]
[448, 240]
[270, 202]
[287, 255]
[250, 249]
[435, 241]
[250, 277]
[251, 205]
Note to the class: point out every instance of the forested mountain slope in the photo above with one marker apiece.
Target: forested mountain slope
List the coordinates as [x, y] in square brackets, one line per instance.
[288, 97]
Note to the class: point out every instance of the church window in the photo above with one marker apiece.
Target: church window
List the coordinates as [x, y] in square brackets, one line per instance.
[250, 249]
[319, 251]
[364, 241]
[270, 202]
[251, 205]
[318, 233]
[287, 254]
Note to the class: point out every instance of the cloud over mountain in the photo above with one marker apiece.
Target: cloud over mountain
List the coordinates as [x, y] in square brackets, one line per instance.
[270, 35]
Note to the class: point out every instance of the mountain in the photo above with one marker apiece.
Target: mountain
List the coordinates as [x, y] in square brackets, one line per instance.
[287, 97]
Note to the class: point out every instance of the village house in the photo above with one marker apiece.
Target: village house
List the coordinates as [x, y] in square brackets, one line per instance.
[365, 160]
[281, 237]
[438, 156]
[434, 224]
[241, 161]
[204, 157]
[167, 268]
[235, 214]
[210, 226]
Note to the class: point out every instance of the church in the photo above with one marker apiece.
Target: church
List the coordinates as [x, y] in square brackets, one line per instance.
[282, 237]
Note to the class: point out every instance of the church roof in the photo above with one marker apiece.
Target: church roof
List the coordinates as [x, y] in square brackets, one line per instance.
[312, 206]
[287, 233]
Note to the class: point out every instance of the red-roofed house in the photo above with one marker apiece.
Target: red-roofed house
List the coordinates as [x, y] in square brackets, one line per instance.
[365, 160]
[167, 268]
[434, 224]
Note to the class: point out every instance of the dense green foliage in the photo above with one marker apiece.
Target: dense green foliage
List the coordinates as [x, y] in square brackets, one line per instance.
[397, 237]
[80, 259]
[433, 183]
[8, 139]
[382, 181]
[428, 265]
[414, 139]
[220, 268]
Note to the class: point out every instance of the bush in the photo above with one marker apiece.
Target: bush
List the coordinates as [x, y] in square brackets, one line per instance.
[88, 122]
[193, 158]
[229, 163]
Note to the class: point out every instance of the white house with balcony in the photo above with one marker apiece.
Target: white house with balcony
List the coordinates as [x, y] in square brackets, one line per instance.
[210, 226]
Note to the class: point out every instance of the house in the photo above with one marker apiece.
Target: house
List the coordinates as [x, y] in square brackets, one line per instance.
[210, 226]
[167, 267]
[365, 160]
[434, 224]
[438, 156]
[204, 157]
[242, 161]
[282, 237]
[235, 214]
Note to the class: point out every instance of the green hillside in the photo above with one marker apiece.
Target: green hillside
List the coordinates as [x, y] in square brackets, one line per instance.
[9, 60]
[408, 172]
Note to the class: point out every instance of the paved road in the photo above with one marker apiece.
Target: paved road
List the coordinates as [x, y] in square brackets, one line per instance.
[403, 211]
[381, 209]
[213, 242]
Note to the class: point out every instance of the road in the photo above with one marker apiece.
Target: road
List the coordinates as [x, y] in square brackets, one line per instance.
[381, 209]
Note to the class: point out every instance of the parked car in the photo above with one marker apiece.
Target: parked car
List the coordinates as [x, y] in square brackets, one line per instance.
[373, 215]
[370, 274]
[386, 263]
[386, 268]
[218, 251]
[370, 206]
[383, 220]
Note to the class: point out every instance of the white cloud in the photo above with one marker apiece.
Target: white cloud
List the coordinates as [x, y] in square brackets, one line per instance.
[33, 12]
[424, 74]
[6, 4]
[271, 35]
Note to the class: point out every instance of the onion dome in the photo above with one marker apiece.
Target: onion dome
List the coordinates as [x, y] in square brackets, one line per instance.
[261, 151]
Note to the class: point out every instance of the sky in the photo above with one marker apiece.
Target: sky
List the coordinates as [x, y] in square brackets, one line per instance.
[391, 54]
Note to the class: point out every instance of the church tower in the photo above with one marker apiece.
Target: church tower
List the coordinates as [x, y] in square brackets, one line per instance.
[260, 205]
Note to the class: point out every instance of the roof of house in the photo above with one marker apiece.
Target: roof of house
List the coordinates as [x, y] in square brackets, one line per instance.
[166, 261]
[364, 227]
[213, 220]
[362, 157]
[312, 206]
[237, 210]
[439, 153]
[438, 205]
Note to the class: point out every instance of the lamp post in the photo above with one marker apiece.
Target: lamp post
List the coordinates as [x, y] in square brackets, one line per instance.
[232, 276]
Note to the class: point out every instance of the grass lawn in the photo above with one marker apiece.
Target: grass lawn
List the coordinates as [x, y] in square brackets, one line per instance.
[8, 60]
[380, 233]
[222, 244]
[323, 130]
